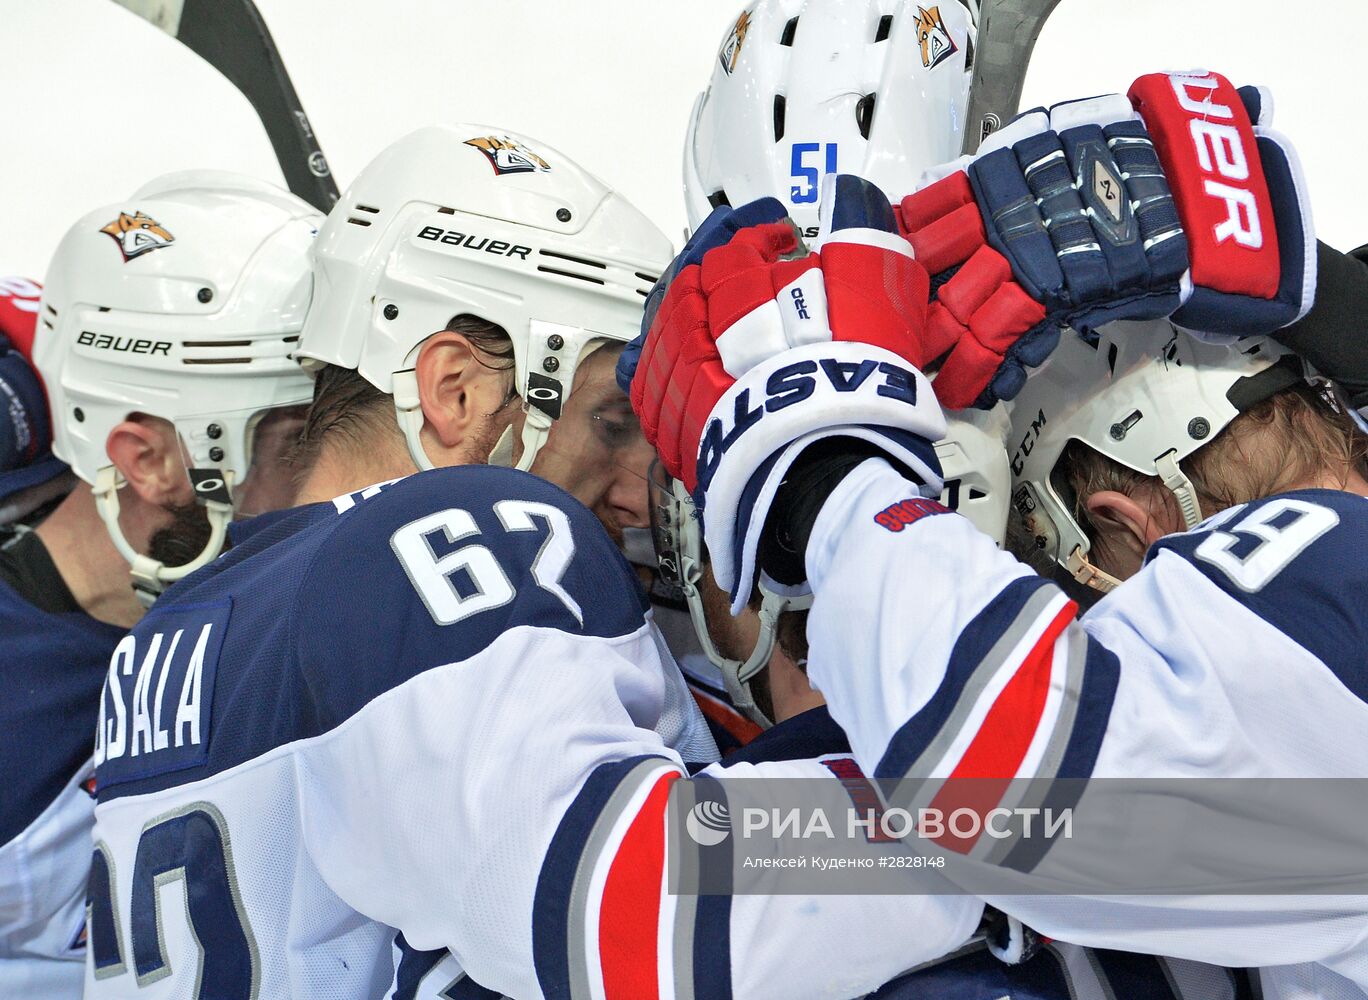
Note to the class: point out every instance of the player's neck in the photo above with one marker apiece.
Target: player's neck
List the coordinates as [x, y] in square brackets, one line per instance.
[90, 566]
[790, 692]
[348, 467]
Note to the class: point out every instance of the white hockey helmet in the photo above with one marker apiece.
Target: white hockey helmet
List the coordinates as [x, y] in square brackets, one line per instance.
[1144, 395]
[183, 302]
[973, 460]
[805, 88]
[468, 219]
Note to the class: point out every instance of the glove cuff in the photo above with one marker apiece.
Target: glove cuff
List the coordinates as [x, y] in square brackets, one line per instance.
[768, 416]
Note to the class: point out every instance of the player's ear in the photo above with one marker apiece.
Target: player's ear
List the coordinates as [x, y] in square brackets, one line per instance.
[147, 454]
[457, 389]
[1128, 527]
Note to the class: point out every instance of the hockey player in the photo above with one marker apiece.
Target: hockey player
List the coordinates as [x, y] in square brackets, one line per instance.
[800, 91]
[992, 676]
[393, 712]
[166, 326]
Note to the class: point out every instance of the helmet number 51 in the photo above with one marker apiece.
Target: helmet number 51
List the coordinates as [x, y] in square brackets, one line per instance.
[810, 188]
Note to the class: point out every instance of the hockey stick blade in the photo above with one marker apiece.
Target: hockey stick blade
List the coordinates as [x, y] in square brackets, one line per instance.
[231, 36]
[1007, 34]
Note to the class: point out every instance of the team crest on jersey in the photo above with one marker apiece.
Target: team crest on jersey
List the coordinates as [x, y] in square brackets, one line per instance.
[731, 47]
[507, 156]
[137, 234]
[936, 43]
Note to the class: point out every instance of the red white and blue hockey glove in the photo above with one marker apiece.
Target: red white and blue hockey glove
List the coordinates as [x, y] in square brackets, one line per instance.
[1095, 211]
[1063, 218]
[753, 350]
[26, 437]
[1242, 201]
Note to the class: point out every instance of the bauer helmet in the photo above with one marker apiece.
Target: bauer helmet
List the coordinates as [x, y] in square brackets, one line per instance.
[183, 302]
[468, 219]
[1144, 395]
[800, 90]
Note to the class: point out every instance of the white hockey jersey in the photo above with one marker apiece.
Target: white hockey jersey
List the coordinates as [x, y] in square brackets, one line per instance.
[437, 710]
[1239, 651]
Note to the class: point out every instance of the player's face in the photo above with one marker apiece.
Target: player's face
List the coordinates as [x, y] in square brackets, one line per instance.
[270, 481]
[596, 451]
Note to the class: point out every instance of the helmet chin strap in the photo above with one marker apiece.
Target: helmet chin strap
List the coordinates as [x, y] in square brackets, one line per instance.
[737, 675]
[151, 577]
[408, 410]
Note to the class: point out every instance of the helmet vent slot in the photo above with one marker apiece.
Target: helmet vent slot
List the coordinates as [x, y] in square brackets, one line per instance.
[864, 114]
[50, 309]
[570, 274]
[216, 361]
[216, 343]
[718, 199]
[648, 278]
[368, 208]
[780, 110]
[885, 26]
[103, 309]
[573, 259]
[1111, 359]
[790, 29]
[446, 211]
[968, 53]
[359, 222]
[48, 323]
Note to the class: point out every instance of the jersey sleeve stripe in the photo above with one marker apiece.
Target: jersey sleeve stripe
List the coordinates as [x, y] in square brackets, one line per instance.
[630, 905]
[981, 653]
[559, 930]
[1000, 745]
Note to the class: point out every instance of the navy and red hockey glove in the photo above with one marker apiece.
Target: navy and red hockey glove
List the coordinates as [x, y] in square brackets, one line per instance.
[25, 438]
[1094, 211]
[753, 349]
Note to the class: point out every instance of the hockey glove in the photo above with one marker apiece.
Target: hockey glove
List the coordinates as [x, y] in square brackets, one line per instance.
[1063, 218]
[1242, 200]
[752, 350]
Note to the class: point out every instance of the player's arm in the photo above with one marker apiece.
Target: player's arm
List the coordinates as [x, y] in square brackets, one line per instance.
[493, 782]
[1327, 336]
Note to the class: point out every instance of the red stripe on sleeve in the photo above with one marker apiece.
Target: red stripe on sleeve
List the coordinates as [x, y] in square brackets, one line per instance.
[629, 913]
[1000, 745]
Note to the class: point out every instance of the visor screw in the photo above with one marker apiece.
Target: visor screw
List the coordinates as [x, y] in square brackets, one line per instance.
[551, 364]
[1040, 541]
[563, 214]
[391, 311]
[1198, 428]
[216, 454]
[1118, 432]
[555, 342]
[205, 295]
[214, 431]
[79, 414]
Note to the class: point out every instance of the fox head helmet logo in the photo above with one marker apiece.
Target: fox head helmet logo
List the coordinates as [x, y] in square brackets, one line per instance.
[936, 43]
[137, 234]
[508, 156]
[731, 45]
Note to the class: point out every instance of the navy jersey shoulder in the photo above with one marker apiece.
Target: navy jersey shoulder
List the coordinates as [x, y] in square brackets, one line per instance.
[311, 617]
[440, 565]
[1299, 561]
[809, 734]
[51, 670]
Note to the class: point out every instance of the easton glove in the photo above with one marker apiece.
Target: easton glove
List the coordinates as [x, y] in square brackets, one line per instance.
[752, 350]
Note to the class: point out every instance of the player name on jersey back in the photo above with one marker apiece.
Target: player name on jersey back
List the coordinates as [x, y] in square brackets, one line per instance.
[157, 701]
